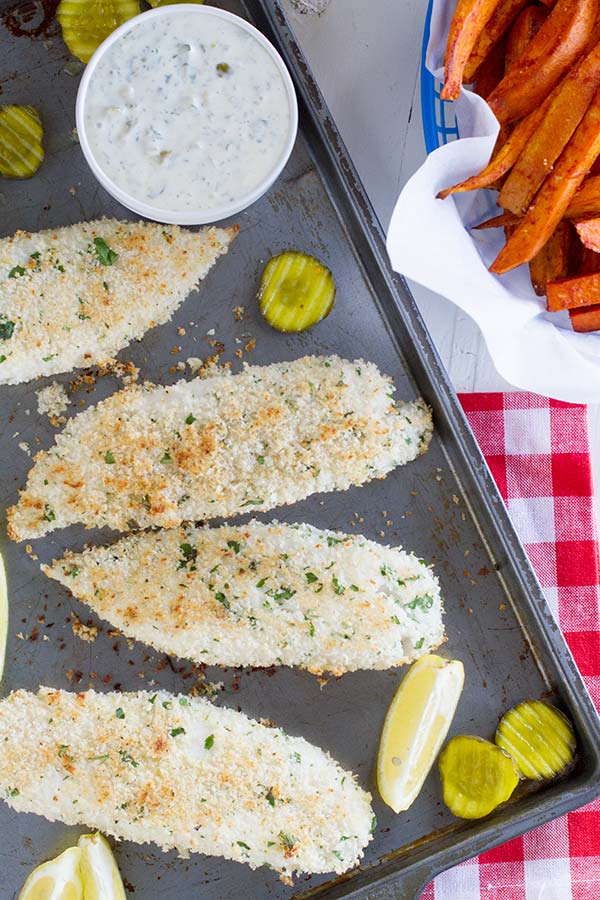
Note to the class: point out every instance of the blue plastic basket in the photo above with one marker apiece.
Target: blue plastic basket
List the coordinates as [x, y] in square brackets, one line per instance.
[439, 120]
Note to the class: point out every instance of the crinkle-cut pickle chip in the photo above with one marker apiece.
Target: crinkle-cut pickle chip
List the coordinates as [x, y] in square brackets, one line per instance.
[21, 133]
[296, 291]
[539, 738]
[86, 23]
[99, 871]
[57, 879]
[477, 776]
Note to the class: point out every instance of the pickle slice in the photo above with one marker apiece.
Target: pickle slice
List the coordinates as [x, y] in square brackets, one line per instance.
[539, 738]
[21, 132]
[296, 291]
[477, 776]
[86, 23]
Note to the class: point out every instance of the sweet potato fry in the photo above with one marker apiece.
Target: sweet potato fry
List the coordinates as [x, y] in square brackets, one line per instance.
[555, 195]
[587, 318]
[491, 71]
[500, 221]
[589, 261]
[524, 29]
[552, 261]
[560, 41]
[589, 232]
[571, 293]
[586, 202]
[565, 112]
[470, 18]
[497, 25]
[506, 157]
[584, 205]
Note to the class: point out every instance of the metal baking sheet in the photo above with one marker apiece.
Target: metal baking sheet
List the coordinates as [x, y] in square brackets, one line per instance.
[444, 505]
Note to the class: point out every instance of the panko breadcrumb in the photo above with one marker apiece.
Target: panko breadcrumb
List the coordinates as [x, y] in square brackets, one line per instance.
[263, 595]
[180, 772]
[222, 446]
[52, 400]
[75, 296]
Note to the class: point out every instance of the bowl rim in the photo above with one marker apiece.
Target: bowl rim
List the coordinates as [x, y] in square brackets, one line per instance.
[199, 216]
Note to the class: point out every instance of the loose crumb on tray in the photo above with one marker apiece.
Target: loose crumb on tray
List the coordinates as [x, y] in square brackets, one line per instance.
[52, 400]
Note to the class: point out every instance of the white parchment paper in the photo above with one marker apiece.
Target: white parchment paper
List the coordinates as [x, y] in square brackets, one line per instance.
[430, 241]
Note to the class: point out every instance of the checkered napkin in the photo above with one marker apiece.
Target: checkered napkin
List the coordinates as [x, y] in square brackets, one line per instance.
[538, 452]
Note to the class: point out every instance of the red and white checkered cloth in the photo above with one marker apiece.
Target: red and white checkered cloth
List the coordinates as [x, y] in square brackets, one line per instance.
[538, 452]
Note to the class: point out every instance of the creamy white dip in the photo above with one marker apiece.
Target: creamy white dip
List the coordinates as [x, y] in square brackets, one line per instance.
[187, 112]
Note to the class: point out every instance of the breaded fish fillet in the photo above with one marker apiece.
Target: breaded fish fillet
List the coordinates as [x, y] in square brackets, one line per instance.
[181, 772]
[218, 447]
[262, 595]
[77, 295]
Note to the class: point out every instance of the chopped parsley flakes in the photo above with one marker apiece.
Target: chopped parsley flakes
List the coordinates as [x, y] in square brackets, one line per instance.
[425, 602]
[209, 742]
[105, 255]
[189, 555]
[220, 596]
[287, 840]
[128, 758]
[6, 330]
[49, 514]
[281, 595]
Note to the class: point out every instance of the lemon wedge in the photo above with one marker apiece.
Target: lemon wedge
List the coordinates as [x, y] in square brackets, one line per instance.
[3, 616]
[415, 727]
[58, 879]
[99, 870]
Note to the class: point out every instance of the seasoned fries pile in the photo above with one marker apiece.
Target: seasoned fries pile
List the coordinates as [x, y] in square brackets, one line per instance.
[538, 67]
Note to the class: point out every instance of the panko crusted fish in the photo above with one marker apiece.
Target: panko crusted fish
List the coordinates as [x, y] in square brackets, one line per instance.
[75, 296]
[181, 772]
[263, 595]
[217, 447]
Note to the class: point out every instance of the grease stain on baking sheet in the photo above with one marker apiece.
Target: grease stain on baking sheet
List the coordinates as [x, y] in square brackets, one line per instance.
[32, 18]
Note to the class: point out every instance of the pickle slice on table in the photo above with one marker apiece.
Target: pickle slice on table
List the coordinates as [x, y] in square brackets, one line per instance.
[86, 23]
[539, 738]
[477, 776]
[296, 291]
[21, 132]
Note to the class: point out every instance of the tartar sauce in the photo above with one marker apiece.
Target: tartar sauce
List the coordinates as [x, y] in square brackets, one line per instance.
[187, 112]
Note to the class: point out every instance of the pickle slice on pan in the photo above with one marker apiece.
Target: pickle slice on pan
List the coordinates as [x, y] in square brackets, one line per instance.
[477, 776]
[86, 23]
[21, 132]
[296, 291]
[539, 738]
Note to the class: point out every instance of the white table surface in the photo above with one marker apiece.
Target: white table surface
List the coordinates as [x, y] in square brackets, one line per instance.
[365, 55]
